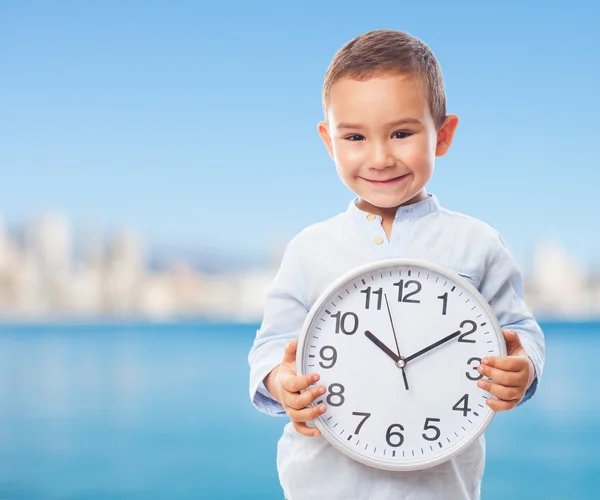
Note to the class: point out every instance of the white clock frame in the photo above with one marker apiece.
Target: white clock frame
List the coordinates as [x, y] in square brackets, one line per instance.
[322, 302]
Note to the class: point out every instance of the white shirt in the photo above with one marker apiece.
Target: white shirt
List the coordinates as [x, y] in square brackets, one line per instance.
[309, 467]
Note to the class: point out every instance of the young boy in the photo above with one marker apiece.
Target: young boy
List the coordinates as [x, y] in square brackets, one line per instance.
[385, 122]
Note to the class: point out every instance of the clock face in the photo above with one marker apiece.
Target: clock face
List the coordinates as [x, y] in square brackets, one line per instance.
[397, 344]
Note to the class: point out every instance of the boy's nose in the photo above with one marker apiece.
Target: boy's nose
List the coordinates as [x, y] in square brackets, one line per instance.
[381, 157]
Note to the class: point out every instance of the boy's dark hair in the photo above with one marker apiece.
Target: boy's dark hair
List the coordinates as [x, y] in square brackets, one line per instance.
[388, 51]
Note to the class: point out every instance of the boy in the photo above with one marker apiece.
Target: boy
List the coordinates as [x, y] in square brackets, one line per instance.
[385, 122]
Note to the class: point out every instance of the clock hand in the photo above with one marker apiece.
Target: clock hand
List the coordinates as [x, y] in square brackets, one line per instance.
[396, 339]
[382, 346]
[432, 346]
[393, 329]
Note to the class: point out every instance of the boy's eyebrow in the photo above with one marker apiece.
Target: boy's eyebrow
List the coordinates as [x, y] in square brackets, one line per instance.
[396, 123]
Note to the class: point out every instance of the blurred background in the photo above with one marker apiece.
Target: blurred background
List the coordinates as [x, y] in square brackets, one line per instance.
[155, 159]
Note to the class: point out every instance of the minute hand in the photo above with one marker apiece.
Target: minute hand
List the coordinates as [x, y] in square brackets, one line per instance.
[432, 346]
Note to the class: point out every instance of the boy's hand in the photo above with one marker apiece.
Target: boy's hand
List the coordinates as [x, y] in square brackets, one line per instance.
[287, 386]
[511, 375]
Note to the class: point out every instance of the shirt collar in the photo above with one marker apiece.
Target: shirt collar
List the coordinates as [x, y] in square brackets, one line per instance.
[413, 211]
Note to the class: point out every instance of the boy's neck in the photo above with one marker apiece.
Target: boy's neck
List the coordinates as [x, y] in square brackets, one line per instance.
[388, 214]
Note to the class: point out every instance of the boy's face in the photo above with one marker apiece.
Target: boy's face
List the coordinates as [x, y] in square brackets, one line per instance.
[383, 139]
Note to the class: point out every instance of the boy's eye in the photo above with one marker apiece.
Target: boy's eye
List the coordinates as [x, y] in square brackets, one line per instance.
[401, 135]
[355, 137]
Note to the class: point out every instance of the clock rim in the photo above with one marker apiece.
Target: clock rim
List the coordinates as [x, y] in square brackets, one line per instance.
[327, 294]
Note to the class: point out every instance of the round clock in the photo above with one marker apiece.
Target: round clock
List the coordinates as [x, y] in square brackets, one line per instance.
[397, 344]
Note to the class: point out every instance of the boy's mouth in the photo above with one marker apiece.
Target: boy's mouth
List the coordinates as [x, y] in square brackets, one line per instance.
[388, 182]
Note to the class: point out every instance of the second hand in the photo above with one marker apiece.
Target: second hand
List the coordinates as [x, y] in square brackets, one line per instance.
[396, 339]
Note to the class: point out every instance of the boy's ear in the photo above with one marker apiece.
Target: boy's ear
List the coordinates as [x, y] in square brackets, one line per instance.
[324, 133]
[445, 135]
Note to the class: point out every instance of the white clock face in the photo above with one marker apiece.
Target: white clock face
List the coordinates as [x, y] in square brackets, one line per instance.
[397, 345]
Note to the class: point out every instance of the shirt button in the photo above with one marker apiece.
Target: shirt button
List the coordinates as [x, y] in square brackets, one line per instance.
[370, 217]
[378, 240]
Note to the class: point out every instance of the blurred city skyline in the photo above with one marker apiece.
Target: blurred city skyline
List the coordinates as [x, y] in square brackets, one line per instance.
[48, 271]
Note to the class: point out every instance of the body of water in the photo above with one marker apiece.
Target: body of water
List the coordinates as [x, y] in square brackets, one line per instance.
[146, 411]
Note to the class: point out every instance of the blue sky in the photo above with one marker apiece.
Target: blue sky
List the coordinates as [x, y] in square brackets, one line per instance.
[195, 124]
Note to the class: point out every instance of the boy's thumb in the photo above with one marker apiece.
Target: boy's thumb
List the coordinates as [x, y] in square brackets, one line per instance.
[290, 351]
[513, 342]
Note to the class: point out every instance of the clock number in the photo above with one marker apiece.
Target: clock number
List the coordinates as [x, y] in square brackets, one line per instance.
[389, 435]
[465, 408]
[435, 429]
[445, 304]
[336, 394]
[332, 358]
[474, 368]
[463, 338]
[405, 298]
[379, 293]
[360, 414]
[341, 321]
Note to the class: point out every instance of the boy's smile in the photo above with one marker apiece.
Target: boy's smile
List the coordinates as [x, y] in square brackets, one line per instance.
[382, 136]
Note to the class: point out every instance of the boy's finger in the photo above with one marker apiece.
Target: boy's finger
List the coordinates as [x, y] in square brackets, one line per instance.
[306, 414]
[289, 354]
[500, 391]
[305, 430]
[513, 343]
[506, 363]
[298, 402]
[498, 405]
[509, 379]
[296, 383]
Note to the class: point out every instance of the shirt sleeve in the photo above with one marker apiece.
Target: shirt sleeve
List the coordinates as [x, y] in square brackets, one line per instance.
[284, 314]
[502, 287]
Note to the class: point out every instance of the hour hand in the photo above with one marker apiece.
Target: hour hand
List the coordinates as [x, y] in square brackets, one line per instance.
[382, 346]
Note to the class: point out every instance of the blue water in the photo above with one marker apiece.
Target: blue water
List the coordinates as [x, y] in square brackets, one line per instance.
[162, 411]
